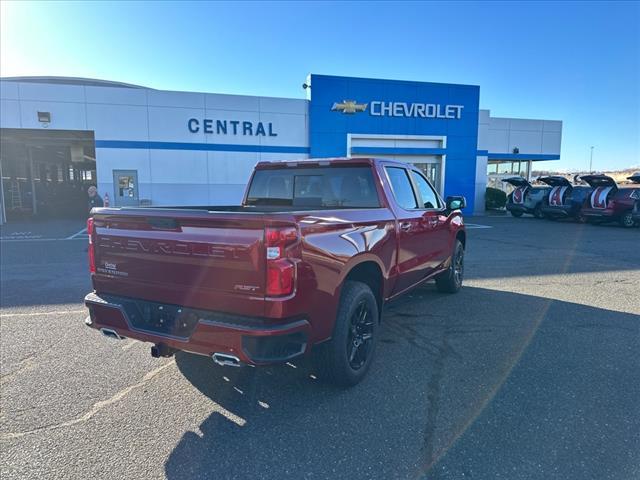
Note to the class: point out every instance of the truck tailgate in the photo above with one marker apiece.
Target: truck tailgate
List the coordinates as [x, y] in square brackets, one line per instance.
[199, 259]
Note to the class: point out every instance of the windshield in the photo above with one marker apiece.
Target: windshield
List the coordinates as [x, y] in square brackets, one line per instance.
[336, 187]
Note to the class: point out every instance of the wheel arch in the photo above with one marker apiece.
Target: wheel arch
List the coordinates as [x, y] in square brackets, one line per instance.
[369, 272]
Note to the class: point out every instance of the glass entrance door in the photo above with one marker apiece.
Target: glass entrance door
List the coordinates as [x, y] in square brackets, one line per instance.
[125, 184]
[433, 172]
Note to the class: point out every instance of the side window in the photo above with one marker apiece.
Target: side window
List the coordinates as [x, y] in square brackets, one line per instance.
[401, 186]
[429, 197]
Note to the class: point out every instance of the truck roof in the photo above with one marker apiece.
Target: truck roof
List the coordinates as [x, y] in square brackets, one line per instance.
[325, 162]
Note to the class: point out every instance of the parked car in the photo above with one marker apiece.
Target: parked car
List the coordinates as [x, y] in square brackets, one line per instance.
[609, 202]
[525, 198]
[564, 200]
[306, 262]
[635, 178]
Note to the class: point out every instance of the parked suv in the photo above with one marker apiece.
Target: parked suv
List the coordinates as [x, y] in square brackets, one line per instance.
[610, 202]
[525, 198]
[564, 199]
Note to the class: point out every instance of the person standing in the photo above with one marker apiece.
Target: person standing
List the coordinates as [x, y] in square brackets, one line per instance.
[95, 200]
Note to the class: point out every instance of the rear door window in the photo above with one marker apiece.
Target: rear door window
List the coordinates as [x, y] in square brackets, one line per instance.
[402, 188]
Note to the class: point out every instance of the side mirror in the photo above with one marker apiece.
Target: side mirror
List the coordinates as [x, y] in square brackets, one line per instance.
[455, 202]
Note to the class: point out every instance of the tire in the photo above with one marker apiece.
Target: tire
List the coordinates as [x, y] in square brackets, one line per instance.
[537, 212]
[346, 358]
[627, 220]
[450, 281]
[516, 213]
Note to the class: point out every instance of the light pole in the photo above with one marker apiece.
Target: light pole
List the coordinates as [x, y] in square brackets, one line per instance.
[591, 160]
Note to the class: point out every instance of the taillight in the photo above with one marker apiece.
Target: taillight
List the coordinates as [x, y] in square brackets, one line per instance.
[280, 277]
[91, 249]
[277, 239]
[281, 272]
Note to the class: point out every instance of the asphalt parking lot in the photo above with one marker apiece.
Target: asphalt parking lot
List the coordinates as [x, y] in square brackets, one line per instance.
[532, 371]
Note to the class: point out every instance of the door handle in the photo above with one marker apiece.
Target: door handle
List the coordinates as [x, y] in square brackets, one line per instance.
[434, 221]
[405, 226]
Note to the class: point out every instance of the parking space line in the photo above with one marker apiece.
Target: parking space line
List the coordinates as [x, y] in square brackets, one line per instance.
[476, 225]
[6, 240]
[21, 236]
[130, 344]
[35, 314]
[71, 237]
[102, 404]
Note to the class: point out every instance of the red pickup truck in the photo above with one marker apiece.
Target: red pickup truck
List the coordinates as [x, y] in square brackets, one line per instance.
[307, 261]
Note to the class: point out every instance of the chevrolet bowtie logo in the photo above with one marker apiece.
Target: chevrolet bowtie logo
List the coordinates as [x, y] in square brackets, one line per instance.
[349, 106]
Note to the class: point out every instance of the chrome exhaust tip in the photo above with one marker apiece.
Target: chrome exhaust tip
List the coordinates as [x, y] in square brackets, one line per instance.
[107, 332]
[226, 360]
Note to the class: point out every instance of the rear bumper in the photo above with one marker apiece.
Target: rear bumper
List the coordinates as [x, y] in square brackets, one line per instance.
[599, 212]
[257, 341]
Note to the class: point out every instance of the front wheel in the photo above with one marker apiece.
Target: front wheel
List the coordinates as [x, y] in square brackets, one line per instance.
[627, 220]
[346, 358]
[516, 213]
[450, 281]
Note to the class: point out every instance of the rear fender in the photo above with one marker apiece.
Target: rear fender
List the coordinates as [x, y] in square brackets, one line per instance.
[388, 275]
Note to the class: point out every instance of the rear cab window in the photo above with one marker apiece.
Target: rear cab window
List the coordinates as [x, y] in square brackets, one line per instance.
[322, 187]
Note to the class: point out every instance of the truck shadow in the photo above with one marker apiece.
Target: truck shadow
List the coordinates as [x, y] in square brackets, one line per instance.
[441, 365]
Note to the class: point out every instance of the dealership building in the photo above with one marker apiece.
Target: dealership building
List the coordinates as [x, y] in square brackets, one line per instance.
[142, 146]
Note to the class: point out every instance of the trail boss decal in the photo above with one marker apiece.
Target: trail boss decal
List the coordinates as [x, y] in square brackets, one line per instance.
[556, 195]
[599, 197]
[518, 195]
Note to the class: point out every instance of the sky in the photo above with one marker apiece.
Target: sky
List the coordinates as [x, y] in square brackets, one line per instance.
[575, 62]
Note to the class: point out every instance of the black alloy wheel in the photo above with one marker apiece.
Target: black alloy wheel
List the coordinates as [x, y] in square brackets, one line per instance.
[360, 336]
[458, 267]
[345, 359]
[627, 220]
[450, 281]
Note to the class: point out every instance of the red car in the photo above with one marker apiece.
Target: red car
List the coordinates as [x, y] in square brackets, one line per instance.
[306, 262]
[609, 202]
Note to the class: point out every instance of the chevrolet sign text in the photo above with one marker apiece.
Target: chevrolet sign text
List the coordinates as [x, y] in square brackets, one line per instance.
[417, 110]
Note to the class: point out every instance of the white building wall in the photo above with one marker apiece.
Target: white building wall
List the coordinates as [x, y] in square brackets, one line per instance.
[167, 174]
[502, 135]
[497, 135]
[177, 175]
[484, 120]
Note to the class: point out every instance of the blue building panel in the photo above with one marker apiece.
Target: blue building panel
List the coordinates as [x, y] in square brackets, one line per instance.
[342, 105]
